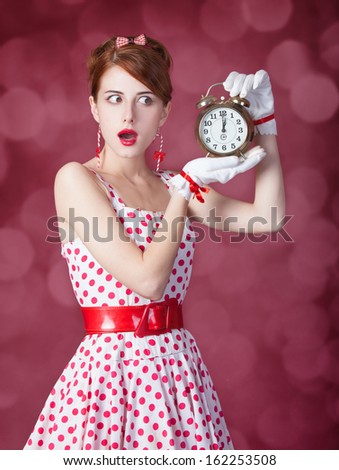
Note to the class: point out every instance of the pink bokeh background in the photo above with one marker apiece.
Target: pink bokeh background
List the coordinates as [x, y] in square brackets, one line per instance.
[265, 312]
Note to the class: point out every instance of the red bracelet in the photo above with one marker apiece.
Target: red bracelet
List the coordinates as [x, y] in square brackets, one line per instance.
[194, 187]
[262, 120]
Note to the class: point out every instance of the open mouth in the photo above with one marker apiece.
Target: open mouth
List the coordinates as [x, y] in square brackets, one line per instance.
[127, 136]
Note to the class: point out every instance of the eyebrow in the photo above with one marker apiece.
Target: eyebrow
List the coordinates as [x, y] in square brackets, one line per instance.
[121, 93]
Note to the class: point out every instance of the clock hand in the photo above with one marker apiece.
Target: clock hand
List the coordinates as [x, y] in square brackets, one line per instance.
[223, 124]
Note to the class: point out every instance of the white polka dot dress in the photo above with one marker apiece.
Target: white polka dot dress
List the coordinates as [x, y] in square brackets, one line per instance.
[120, 391]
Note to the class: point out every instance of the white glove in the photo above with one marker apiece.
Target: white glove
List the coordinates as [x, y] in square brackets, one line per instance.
[211, 170]
[257, 89]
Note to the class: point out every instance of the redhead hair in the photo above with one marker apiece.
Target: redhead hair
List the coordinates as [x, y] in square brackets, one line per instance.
[149, 64]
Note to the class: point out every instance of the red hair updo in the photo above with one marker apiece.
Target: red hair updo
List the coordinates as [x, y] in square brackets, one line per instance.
[149, 64]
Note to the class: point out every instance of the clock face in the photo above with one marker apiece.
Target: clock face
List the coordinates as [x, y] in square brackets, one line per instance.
[223, 130]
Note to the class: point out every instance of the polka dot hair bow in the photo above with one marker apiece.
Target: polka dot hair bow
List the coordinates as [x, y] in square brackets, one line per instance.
[122, 41]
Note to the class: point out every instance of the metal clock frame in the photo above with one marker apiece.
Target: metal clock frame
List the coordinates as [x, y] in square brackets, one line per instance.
[209, 103]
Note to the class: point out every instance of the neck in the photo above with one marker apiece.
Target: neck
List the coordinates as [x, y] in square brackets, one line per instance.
[128, 168]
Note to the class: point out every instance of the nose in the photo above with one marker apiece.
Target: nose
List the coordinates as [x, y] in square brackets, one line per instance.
[129, 114]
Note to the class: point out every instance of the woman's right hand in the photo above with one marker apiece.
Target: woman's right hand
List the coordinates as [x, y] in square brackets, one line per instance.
[211, 170]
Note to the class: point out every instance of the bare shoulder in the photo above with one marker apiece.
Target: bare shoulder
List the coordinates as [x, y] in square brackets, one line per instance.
[76, 191]
[69, 171]
[74, 176]
[76, 184]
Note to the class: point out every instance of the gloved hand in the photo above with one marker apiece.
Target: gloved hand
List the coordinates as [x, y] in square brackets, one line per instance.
[204, 170]
[257, 89]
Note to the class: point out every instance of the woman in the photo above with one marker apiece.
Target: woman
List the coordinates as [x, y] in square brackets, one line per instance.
[137, 380]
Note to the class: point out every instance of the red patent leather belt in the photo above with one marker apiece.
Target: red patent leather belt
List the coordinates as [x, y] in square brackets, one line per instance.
[154, 318]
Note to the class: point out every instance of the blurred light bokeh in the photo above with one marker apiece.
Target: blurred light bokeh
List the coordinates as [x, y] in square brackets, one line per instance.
[265, 312]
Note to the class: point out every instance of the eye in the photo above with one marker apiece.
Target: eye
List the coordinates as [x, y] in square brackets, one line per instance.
[114, 99]
[145, 100]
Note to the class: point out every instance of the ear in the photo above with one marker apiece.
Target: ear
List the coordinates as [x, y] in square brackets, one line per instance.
[94, 109]
[165, 113]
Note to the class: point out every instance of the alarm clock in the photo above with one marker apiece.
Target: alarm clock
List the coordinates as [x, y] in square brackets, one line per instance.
[224, 127]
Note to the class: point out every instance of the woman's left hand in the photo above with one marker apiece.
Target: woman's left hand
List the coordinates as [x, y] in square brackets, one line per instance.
[213, 170]
[257, 89]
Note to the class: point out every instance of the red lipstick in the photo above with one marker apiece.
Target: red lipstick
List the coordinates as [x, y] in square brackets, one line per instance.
[128, 137]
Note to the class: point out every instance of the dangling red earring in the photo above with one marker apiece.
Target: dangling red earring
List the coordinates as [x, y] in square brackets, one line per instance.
[98, 149]
[159, 154]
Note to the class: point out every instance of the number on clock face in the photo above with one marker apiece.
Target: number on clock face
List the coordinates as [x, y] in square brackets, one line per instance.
[223, 130]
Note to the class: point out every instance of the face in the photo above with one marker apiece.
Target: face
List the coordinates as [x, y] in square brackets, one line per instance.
[128, 112]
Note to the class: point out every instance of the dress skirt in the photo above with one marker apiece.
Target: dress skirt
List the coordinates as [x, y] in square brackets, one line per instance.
[123, 392]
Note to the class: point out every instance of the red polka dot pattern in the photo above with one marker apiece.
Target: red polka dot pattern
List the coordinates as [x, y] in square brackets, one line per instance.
[123, 392]
[94, 286]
